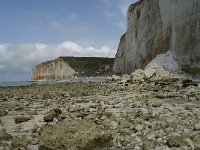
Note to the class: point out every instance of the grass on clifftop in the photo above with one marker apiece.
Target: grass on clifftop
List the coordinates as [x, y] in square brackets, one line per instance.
[90, 66]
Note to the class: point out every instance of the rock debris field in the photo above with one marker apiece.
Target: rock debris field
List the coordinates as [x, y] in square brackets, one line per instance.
[156, 113]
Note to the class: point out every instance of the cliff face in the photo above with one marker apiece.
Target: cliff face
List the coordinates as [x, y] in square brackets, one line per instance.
[66, 67]
[186, 33]
[56, 69]
[148, 34]
[119, 58]
[156, 26]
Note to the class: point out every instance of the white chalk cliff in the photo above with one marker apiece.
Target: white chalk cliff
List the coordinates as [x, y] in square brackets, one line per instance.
[56, 69]
[156, 26]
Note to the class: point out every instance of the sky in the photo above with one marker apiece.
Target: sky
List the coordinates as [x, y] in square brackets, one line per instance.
[34, 31]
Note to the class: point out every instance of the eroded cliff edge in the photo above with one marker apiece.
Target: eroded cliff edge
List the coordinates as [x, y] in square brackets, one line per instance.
[67, 67]
[157, 26]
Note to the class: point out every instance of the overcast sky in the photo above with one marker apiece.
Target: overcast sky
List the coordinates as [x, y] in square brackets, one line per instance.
[34, 31]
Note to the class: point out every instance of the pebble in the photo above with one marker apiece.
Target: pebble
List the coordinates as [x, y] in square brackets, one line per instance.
[114, 124]
[139, 127]
[49, 117]
[197, 126]
[189, 143]
[92, 110]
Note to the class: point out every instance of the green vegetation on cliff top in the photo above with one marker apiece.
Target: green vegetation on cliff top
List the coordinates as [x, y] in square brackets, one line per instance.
[88, 66]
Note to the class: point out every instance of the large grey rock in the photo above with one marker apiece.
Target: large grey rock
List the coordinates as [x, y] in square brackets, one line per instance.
[175, 141]
[125, 78]
[3, 112]
[138, 75]
[66, 136]
[20, 119]
[19, 143]
[196, 140]
[4, 136]
[48, 117]
[149, 73]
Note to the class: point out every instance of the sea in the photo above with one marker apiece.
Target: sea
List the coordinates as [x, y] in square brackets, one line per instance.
[42, 82]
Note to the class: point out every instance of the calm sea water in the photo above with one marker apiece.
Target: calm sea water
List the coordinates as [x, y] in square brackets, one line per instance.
[19, 83]
[25, 83]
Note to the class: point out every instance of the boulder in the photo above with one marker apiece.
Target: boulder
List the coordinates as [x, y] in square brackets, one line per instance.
[175, 141]
[4, 136]
[198, 86]
[19, 143]
[116, 78]
[137, 75]
[91, 137]
[49, 117]
[125, 78]
[149, 73]
[3, 112]
[21, 119]
[161, 72]
[148, 145]
[196, 140]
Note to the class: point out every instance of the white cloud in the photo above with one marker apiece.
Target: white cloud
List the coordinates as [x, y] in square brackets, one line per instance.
[40, 46]
[26, 56]
[5, 53]
[70, 46]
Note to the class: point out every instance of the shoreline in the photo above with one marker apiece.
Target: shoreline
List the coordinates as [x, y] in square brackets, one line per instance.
[41, 82]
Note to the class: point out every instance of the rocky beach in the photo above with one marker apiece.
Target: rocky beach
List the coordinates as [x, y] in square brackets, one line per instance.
[146, 98]
[119, 113]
